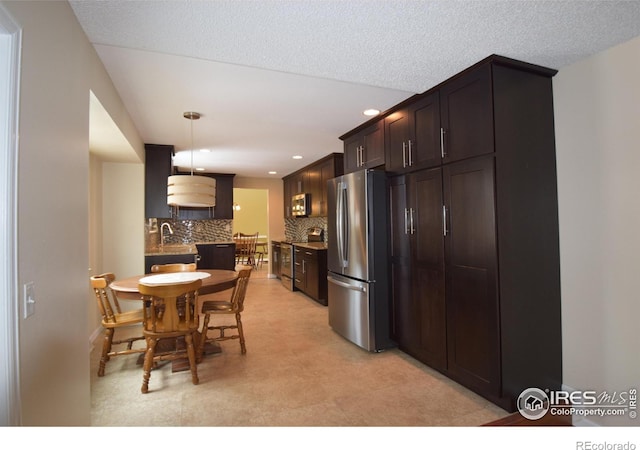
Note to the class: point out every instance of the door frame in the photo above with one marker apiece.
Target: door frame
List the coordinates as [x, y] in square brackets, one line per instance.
[10, 50]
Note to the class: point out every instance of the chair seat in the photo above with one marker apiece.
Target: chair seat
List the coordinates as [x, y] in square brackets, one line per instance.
[213, 306]
[124, 319]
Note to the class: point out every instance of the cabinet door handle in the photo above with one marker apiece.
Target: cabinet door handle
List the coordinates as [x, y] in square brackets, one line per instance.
[406, 221]
[304, 267]
[222, 245]
[410, 156]
[444, 221]
[404, 154]
[442, 133]
[411, 220]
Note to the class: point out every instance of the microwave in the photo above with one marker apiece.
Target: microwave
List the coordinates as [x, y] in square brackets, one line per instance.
[300, 205]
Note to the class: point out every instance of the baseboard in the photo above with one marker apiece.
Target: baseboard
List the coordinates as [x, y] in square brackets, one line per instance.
[578, 421]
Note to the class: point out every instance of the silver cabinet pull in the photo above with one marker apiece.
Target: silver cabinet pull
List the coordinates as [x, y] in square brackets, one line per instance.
[406, 221]
[410, 158]
[442, 133]
[411, 220]
[444, 221]
[404, 154]
[222, 245]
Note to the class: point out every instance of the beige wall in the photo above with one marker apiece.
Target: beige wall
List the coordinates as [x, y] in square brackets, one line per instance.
[597, 113]
[58, 68]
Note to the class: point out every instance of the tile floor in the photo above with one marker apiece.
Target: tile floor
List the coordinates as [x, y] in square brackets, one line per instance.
[297, 372]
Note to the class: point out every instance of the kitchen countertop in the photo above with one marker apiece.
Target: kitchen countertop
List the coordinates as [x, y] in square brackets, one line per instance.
[182, 249]
[312, 245]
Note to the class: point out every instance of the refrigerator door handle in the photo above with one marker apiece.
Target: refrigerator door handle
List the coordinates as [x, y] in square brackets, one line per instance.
[342, 224]
[339, 222]
[330, 279]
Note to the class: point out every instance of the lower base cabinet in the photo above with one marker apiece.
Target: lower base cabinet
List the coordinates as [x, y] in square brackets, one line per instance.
[167, 259]
[310, 272]
[216, 256]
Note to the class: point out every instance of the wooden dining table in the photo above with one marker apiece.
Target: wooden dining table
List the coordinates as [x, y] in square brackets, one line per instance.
[217, 281]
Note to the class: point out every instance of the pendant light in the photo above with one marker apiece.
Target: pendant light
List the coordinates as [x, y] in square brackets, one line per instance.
[193, 191]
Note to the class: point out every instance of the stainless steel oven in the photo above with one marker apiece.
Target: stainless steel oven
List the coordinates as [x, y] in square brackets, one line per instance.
[286, 265]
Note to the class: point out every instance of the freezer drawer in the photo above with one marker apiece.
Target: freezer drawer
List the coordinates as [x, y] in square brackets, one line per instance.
[349, 310]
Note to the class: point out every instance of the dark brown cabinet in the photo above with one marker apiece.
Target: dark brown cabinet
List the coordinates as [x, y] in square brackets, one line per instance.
[474, 240]
[364, 149]
[216, 256]
[310, 272]
[417, 265]
[312, 180]
[158, 168]
[413, 135]
[151, 260]
[467, 115]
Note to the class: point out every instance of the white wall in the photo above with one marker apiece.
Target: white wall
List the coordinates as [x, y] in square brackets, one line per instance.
[59, 68]
[597, 113]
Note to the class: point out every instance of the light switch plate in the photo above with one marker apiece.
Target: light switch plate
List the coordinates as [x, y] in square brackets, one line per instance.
[29, 296]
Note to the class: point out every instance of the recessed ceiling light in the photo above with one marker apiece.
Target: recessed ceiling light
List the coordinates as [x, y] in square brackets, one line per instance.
[297, 157]
[200, 169]
[371, 112]
[272, 172]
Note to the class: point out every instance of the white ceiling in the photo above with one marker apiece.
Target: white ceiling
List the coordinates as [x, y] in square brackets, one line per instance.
[275, 78]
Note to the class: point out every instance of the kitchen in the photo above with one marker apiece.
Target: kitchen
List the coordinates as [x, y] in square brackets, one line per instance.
[576, 230]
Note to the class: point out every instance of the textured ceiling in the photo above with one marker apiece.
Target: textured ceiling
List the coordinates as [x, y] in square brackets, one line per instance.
[275, 78]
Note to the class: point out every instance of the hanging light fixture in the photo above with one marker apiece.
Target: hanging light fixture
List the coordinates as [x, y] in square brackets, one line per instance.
[193, 191]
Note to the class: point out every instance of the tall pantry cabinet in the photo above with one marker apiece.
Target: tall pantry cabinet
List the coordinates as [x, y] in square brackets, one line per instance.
[474, 245]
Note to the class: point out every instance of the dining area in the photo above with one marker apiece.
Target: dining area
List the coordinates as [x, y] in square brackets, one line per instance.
[296, 372]
[174, 319]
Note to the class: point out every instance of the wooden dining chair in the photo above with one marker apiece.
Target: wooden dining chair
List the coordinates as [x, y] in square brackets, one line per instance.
[246, 248]
[113, 318]
[234, 306]
[169, 312]
[173, 267]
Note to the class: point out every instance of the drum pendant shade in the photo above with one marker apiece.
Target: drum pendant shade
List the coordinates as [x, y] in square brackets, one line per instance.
[193, 191]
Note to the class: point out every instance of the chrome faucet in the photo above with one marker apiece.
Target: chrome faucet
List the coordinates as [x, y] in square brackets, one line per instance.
[162, 232]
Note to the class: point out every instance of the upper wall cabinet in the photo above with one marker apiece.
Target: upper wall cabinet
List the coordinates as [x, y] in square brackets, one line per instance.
[158, 168]
[312, 180]
[364, 149]
[412, 135]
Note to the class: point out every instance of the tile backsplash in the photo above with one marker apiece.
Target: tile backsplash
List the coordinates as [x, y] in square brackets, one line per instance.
[219, 230]
[188, 231]
[295, 230]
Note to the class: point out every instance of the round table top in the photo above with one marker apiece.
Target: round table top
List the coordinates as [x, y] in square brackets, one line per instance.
[218, 280]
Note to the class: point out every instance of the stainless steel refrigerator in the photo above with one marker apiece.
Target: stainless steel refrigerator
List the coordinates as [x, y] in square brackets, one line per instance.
[357, 227]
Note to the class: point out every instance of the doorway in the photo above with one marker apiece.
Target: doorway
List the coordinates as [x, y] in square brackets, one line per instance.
[251, 214]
